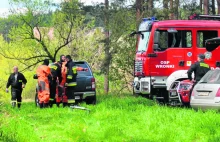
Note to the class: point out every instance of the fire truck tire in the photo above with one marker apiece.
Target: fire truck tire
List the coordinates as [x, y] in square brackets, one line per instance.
[161, 96]
[135, 94]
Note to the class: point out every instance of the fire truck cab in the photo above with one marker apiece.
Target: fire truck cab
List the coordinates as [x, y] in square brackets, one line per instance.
[165, 50]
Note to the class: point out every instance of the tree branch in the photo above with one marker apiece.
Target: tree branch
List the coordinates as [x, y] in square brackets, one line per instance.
[67, 40]
[29, 66]
[25, 59]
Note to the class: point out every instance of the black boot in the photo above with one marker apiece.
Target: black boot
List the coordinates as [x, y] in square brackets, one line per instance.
[51, 104]
[13, 104]
[65, 104]
[58, 104]
[19, 105]
[41, 105]
[45, 105]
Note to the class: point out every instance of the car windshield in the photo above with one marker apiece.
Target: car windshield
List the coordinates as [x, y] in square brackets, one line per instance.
[83, 73]
[143, 41]
[211, 77]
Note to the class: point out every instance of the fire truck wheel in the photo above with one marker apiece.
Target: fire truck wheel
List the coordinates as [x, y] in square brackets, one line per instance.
[161, 96]
[135, 94]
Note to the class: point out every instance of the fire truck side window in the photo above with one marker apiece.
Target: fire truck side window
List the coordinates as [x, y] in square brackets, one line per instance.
[202, 36]
[180, 39]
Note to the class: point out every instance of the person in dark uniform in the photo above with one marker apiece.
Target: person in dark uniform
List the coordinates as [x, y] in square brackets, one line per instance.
[55, 69]
[17, 81]
[71, 79]
[200, 68]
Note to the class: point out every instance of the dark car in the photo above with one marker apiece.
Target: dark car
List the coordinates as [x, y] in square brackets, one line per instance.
[86, 88]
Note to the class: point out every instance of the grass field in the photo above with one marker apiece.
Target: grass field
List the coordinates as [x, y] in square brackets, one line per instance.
[113, 119]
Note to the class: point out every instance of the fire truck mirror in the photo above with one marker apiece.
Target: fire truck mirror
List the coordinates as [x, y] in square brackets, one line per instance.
[156, 37]
[132, 34]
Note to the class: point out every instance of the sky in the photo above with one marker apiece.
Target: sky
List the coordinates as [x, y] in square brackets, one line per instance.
[4, 5]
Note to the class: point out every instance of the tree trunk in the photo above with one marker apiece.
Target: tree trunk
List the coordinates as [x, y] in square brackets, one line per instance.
[213, 7]
[176, 6]
[150, 7]
[107, 48]
[218, 3]
[206, 6]
[171, 10]
[138, 12]
[165, 7]
[200, 5]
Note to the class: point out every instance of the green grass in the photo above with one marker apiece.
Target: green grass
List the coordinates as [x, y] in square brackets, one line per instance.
[114, 118]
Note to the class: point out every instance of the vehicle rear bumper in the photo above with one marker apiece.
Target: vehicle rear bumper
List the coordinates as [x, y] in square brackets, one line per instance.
[84, 95]
[204, 105]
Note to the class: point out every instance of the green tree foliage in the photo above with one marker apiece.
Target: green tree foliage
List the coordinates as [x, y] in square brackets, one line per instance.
[36, 36]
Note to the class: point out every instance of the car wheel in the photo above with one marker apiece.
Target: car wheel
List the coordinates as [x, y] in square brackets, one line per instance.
[91, 100]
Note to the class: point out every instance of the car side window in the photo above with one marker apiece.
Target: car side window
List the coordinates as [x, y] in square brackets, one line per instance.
[83, 73]
[203, 35]
[179, 39]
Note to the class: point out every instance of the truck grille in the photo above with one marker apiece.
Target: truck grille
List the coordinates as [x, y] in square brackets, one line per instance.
[138, 66]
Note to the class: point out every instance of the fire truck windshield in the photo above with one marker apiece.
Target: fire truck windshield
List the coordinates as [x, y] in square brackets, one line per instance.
[143, 41]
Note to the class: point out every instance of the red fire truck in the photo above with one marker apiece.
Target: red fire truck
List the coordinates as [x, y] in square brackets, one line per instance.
[166, 49]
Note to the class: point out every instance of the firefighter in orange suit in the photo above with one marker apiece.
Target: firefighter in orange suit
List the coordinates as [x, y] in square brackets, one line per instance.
[43, 74]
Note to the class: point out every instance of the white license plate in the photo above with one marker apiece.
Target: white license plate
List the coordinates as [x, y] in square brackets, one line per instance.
[203, 93]
[77, 97]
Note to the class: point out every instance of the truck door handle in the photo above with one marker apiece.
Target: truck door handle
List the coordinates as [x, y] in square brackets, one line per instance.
[181, 63]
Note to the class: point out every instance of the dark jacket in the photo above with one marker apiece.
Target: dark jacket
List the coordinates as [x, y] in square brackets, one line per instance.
[199, 69]
[71, 73]
[16, 84]
[56, 71]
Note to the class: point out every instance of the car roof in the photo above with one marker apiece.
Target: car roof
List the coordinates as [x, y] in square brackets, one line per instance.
[80, 62]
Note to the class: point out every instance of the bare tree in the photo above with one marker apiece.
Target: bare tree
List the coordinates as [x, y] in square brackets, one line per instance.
[171, 9]
[218, 4]
[200, 5]
[107, 59]
[150, 7]
[213, 7]
[138, 11]
[176, 8]
[206, 6]
[165, 7]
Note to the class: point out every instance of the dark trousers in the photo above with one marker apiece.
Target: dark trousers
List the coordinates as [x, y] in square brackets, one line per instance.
[53, 86]
[70, 94]
[16, 96]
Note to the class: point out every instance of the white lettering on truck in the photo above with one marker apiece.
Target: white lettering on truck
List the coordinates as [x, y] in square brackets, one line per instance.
[164, 64]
